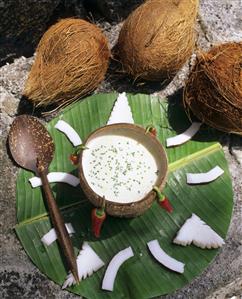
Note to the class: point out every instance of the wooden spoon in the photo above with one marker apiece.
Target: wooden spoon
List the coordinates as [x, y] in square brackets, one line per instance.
[33, 148]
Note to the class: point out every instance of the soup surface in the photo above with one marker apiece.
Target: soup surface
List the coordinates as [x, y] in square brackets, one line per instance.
[119, 168]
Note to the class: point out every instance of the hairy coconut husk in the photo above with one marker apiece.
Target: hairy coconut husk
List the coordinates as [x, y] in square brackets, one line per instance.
[214, 88]
[158, 38]
[71, 60]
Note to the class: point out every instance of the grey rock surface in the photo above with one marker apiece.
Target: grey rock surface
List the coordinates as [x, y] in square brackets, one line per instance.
[23, 22]
[219, 20]
[116, 11]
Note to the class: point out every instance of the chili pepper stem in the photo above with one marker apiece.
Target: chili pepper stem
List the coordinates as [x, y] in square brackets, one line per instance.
[100, 211]
[74, 157]
[148, 128]
[151, 129]
[79, 148]
[162, 200]
[161, 196]
[98, 217]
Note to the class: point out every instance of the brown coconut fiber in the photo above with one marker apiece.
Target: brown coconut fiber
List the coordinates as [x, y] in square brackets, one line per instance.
[214, 88]
[71, 60]
[158, 38]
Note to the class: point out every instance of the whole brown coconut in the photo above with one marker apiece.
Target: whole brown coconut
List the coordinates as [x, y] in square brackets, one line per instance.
[71, 60]
[214, 88]
[158, 38]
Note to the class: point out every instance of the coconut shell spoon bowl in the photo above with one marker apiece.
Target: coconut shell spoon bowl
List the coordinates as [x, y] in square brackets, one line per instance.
[33, 148]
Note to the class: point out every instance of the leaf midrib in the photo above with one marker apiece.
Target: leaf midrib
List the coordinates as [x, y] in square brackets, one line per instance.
[171, 168]
[194, 156]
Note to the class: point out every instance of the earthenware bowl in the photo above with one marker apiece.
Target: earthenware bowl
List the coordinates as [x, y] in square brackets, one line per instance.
[151, 143]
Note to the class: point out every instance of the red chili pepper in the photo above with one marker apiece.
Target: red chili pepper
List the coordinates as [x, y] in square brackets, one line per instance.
[98, 217]
[163, 201]
[152, 130]
[165, 204]
[74, 158]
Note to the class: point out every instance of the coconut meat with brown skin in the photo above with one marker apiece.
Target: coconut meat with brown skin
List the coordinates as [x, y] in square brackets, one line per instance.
[119, 168]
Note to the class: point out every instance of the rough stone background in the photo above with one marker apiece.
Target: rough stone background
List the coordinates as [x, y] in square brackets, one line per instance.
[218, 21]
[23, 22]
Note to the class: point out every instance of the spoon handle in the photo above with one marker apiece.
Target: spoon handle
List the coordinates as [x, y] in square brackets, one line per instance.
[59, 225]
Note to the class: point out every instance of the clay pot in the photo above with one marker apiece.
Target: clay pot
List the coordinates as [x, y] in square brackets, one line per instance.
[131, 209]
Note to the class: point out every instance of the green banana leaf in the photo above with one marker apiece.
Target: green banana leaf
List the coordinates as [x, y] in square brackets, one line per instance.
[141, 276]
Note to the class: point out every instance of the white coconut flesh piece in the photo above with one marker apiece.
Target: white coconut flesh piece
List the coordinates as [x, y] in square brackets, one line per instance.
[51, 236]
[70, 133]
[113, 267]
[185, 136]
[88, 262]
[206, 177]
[196, 231]
[121, 112]
[162, 257]
[56, 177]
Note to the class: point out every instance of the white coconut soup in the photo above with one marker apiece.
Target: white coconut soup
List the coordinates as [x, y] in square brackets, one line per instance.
[119, 168]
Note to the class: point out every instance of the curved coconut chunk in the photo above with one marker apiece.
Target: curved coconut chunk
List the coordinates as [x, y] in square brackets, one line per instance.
[56, 177]
[184, 137]
[88, 262]
[206, 177]
[70, 133]
[121, 112]
[196, 231]
[113, 267]
[162, 257]
[51, 236]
